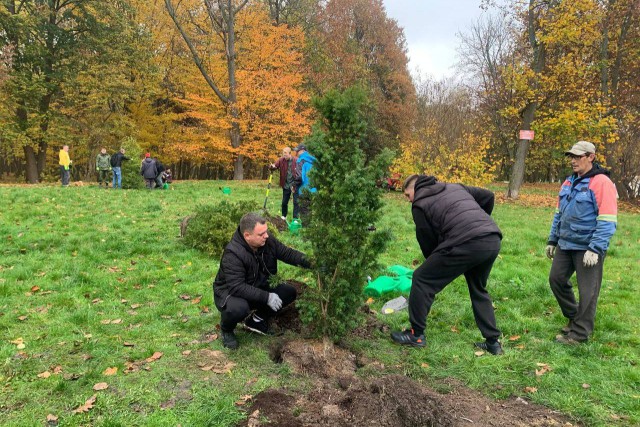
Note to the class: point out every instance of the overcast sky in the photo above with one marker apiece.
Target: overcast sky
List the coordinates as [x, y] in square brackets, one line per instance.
[430, 27]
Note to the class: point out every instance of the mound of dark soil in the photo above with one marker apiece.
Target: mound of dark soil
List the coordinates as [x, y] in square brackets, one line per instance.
[396, 401]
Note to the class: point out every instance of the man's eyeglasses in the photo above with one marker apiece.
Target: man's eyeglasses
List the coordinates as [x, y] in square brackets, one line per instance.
[573, 156]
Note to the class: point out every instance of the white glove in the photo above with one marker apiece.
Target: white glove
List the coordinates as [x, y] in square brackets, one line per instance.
[550, 251]
[275, 303]
[590, 259]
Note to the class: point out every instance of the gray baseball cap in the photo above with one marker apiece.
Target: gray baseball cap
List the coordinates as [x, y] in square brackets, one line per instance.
[581, 148]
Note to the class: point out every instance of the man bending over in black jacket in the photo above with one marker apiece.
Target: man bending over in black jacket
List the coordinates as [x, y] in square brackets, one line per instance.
[242, 282]
[457, 236]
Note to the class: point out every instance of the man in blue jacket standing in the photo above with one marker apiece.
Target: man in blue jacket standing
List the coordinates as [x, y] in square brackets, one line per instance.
[304, 164]
[584, 222]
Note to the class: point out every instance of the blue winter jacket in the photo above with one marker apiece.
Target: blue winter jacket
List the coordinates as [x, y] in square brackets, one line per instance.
[306, 161]
[586, 214]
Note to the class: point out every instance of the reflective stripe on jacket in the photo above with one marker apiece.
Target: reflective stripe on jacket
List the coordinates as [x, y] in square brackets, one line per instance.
[587, 213]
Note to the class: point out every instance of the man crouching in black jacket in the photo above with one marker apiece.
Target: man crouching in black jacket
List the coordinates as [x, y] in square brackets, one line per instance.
[457, 236]
[242, 282]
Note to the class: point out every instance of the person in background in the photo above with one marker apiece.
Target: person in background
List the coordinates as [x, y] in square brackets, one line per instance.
[457, 236]
[149, 171]
[242, 282]
[304, 165]
[584, 222]
[287, 167]
[116, 164]
[65, 165]
[159, 178]
[103, 167]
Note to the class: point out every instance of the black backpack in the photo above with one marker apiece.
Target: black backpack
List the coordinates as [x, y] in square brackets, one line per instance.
[114, 160]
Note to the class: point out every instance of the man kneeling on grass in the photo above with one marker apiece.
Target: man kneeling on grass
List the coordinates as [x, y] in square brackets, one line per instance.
[241, 288]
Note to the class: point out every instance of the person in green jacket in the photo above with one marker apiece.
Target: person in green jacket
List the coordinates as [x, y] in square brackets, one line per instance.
[103, 167]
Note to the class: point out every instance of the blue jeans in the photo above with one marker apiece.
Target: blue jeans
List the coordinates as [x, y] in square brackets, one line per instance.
[64, 176]
[117, 177]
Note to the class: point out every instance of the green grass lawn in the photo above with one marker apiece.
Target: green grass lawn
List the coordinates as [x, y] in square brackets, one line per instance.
[93, 279]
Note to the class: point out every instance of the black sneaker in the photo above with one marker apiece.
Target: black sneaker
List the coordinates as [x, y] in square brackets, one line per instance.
[229, 340]
[566, 329]
[258, 326]
[495, 348]
[407, 337]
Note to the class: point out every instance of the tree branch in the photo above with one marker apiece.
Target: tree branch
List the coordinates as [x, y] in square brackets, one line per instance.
[194, 53]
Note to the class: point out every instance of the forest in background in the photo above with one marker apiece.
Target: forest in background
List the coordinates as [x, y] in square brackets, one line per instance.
[216, 88]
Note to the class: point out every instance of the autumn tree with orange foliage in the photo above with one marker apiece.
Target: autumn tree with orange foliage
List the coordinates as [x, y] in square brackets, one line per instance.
[358, 44]
[256, 74]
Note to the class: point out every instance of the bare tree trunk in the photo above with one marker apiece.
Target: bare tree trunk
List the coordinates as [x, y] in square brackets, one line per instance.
[529, 113]
[31, 171]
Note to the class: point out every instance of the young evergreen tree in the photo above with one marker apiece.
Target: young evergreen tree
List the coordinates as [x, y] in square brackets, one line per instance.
[343, 209]
[131, 178]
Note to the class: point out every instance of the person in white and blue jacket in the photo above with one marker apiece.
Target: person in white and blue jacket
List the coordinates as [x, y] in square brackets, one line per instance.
[583, 224]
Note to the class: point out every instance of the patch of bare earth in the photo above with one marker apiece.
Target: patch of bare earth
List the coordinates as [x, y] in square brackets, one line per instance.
[340, 398]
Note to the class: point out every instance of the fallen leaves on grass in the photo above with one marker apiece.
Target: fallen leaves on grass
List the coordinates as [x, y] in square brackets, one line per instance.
[586, 386]
[243, 400]
[100, 386]
[544, 368]
[185, 297]
[110, 371]
[19, 342]
[86, 405]
[112, 322]
[196, 300]
[479, 353]
[530, 389]
[52, 420]
[141, 364]
[45, 374]
[155, 356]
[214, 361]
[455, 330]
[514, 338]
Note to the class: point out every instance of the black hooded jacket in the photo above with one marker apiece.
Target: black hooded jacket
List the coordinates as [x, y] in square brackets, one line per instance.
[447, 215]
[244, 273]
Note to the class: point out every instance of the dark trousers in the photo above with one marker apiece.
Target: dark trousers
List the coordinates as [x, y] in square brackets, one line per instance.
[474, 259]
[237, 309]
[583, 313]
[149, 183]
[103, 176]
[64, 176]
[305, 208]
[286, 195]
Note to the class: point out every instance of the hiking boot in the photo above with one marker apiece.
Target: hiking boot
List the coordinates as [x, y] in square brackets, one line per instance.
[568, 340]
[566, 329]
[229, 340]
[257, 325]
[407, 337]
[493, 348]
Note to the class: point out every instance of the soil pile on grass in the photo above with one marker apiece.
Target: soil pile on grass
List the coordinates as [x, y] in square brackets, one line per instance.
[340, 398]
[278, 222]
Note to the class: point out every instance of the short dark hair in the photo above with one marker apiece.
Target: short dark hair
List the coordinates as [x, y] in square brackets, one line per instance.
[248, 221]
[409, 182]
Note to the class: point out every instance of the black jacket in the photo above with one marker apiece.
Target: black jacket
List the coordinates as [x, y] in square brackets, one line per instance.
[118, 158]
[447, 215]
[244, 273]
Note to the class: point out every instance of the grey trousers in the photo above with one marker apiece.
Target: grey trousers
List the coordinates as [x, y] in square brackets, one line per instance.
[589, 279]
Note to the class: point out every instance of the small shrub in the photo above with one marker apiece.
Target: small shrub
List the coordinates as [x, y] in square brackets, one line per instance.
[212, 226]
